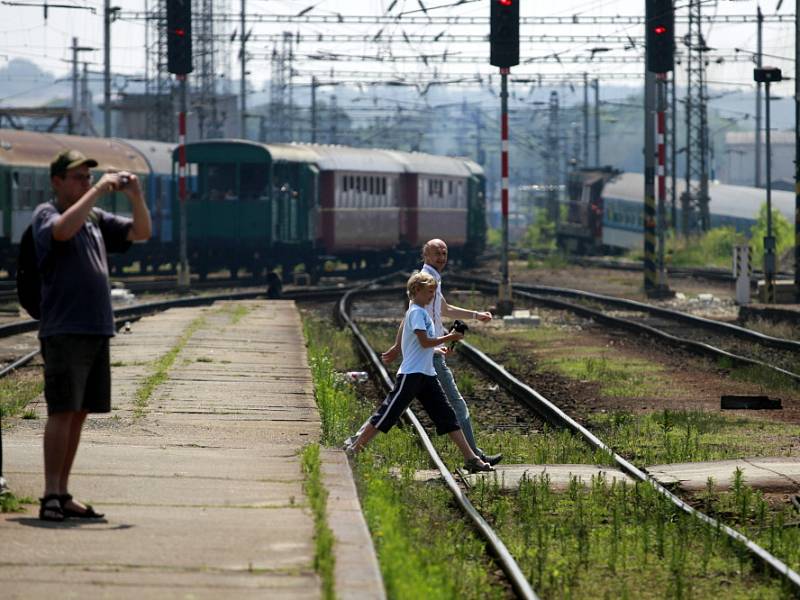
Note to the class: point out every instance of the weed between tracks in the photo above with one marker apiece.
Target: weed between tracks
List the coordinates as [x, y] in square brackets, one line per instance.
[611, 540]
[597, 540]
[425, 548]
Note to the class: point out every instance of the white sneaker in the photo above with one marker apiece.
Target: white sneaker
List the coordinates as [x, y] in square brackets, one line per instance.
[4, 489]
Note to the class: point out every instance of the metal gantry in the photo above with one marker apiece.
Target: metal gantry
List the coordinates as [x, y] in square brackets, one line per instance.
[695, 198]
[160, 118]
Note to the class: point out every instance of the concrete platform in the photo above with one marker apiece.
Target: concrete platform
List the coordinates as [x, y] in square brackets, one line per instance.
[767, 474]
[202, 485]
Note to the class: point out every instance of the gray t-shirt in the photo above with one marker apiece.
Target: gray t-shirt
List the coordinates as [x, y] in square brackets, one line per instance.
[76, 298]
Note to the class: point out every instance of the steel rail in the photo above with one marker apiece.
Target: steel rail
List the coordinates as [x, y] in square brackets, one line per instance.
[719, 326]
[700, 348]
[512, 570]
[552, 413]
[140, 310]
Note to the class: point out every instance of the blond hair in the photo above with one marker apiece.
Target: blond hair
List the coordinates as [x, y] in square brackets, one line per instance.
[419, 279]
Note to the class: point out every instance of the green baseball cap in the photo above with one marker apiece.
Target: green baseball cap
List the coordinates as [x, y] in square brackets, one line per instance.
[69, 159]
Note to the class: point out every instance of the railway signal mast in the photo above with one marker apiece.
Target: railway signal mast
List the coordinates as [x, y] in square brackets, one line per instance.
[179, 63]
[504, 53]
[660, 59]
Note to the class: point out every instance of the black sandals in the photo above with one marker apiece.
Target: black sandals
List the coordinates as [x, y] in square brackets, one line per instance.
[50, 508]
[70, 513]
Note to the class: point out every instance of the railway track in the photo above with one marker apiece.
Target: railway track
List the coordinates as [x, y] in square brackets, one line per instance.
[546, 409]
[706, 337]
[552, 414]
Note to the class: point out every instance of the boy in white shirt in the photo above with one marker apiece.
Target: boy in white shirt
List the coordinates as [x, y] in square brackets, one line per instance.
[417, 377]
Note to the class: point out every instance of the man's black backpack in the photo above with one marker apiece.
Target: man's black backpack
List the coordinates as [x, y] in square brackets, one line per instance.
[29, 283]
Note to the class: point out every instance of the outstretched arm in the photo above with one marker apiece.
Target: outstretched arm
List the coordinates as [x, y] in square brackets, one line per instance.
[392, 353]
[455, 312]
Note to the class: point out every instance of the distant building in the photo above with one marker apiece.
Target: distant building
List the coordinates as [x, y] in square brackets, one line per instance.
[737, 164]
[137, 117]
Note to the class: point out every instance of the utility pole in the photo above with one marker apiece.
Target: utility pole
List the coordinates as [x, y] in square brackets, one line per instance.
[243, 75]
[107, 68]
[759, 49]
[75, 77]
[551, 155]
[597, 122]
[314, 109]
[673, 163]
[650, 275]
[797, 152]
[585, 120]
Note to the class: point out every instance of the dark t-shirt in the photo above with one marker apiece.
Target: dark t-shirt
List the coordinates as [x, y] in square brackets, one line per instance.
[76, 298]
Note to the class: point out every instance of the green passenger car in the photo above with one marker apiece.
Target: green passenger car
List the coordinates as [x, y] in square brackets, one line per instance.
[252, 207]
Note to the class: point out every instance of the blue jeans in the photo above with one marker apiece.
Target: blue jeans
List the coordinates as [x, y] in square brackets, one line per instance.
[448, 383]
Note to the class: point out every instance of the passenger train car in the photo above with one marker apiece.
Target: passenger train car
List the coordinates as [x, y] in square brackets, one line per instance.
[620, 200]
[315, 202]
[259, 206]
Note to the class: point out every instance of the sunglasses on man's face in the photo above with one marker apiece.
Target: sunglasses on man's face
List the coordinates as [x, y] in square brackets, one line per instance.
[80, 177]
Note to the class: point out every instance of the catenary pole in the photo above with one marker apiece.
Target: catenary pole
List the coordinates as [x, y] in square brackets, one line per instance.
[184, 278]
[504, 304]
[242, 75]
[797, 152]
[107, 68]
[597, 122]
[585, 119]
[759, 30]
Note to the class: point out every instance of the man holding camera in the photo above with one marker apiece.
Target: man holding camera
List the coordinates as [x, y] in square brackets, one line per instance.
[434, 255]
[71, 238]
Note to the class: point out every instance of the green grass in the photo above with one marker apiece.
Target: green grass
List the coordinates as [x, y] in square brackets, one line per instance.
[625, 378]
[692, 436]
[324, 559]
[611, 540]
[10, 503]
[160, 368]
[18, 390]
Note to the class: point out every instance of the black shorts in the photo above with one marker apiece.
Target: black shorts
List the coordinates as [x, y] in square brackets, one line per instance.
[77, 373]
[429, 392]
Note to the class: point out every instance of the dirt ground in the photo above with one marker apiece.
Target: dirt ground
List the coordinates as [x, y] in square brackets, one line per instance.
[695, 382]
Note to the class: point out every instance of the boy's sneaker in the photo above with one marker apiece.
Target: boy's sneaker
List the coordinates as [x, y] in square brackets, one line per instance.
[492, 459]
[476, 465]
[4, 489]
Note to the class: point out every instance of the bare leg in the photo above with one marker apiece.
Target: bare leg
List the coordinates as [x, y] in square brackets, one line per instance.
[368, 432]
[75, 427]
[56, 448]
[458, 437]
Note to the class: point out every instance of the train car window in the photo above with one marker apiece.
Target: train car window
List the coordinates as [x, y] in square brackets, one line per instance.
[450, 188]
[344, 183]
[371, 185]
[358, 184]
[220, 178]
[383, 186]
[253, 178]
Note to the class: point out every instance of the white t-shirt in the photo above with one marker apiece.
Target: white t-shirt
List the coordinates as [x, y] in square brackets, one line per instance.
[434, 308]
[416, 359]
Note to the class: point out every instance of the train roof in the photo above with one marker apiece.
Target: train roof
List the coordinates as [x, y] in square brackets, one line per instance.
[157, 154]
[431, 164]
[737, 201]
[473, 167]
[347, 158]
[234, 150]
[35, 149]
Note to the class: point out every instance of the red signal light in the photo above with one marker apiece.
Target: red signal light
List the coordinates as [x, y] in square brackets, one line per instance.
[659, 30]
[179, 32]
[505, 2]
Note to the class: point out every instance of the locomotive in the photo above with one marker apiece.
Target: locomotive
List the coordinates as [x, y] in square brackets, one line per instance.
[260, 206]
[606, 210]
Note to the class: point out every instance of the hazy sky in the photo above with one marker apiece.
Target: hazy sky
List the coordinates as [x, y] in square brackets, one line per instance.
[25, 34]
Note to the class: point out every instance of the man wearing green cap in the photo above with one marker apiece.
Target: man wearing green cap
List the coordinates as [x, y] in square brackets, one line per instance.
[71, 238]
